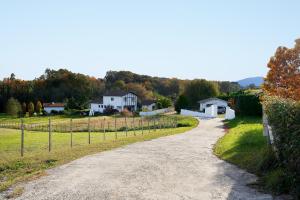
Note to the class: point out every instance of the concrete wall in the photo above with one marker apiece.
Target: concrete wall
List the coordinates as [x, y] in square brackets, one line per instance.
[156, 112]
[49, 109]
[210, 112]
[230, 114]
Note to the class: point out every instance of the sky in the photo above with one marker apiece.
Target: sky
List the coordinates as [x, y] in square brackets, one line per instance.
[212, 39]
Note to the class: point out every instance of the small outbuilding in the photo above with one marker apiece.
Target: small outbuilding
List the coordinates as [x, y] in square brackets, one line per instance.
[53, 107]
[148, 105]
[219, 103]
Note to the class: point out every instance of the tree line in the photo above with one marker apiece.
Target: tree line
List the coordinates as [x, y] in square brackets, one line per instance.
[76, 90]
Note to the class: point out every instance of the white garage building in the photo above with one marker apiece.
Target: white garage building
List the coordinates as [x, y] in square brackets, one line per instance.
[212, 101]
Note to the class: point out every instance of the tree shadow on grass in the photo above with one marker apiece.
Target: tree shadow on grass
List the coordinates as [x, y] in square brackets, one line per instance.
[247, 155]
[247, 151]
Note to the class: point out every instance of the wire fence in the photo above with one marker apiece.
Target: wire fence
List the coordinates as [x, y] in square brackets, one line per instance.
[28, 137]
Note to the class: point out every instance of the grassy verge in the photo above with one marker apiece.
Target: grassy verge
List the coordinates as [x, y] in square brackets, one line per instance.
[245, 146]
[13, 168]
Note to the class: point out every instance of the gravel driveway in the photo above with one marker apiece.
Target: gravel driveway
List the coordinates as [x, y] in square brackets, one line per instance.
[170, 168]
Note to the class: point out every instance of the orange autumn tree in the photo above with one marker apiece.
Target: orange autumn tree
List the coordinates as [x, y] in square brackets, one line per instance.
[283, 78]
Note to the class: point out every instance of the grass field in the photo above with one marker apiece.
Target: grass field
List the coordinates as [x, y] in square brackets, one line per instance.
[245, 146]
[14, 168]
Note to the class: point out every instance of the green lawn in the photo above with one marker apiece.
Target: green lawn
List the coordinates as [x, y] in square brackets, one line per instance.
[14, 168]
[244, 144]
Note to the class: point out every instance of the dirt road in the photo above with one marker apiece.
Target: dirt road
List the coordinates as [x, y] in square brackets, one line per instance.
[176, 167]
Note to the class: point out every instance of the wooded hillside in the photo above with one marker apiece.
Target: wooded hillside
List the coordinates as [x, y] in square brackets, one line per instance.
[77, 89]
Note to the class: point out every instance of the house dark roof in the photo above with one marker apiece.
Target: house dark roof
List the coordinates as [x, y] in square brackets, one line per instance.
[98, 101]
[47, 105]
[210, 99]
[117, 93]
[148, 102]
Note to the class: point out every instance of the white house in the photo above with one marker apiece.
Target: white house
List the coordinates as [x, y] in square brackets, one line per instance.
[118, 100]
[148, 105]
[57, 107]
[212, 101]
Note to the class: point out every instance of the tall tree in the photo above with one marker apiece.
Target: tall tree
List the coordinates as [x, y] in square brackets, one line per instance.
[38, 107]
[30, 109]
[13, 107]
[181, 103]
[24, 108]
[200, 89]
[283, 78]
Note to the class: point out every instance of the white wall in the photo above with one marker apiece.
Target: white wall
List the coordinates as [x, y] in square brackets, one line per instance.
[117, 101]
[49, 109]
[97, 107]
[230, 114]
[210, 112]
[156, 112]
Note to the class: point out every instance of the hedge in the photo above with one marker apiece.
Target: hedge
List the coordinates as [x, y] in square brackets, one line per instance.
[284, 118]
[244, 103]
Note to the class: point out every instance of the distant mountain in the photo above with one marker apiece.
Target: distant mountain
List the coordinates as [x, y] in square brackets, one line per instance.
[257, 81]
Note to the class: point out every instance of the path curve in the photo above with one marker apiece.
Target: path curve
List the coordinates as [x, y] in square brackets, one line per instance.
[176, 167]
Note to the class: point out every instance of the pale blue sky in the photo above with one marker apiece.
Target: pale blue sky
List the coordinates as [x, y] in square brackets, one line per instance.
[216, 40]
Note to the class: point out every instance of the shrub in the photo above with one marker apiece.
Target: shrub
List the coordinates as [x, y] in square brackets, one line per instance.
[245, 103]
[24, 108]
[126, 113]
[284, 118]
[248, 105]
[181, 103]
[163, 102]
[13, 107]
[38, 107]
[30, 109]
[110, 111]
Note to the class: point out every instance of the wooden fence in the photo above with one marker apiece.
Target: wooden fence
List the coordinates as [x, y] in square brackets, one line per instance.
[115, 125]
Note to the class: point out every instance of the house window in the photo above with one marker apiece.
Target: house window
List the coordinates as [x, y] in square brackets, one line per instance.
[125, 98]
[99, 106]
[112, 99]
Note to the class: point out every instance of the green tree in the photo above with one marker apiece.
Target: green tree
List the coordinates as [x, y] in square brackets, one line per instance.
[24, 108]
[30, 109]
[13, 107]
[163, 102]
[181, 103]
[38, 107]
[200, 89]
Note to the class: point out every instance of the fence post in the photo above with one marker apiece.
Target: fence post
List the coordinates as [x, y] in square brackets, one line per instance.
[133, 126]
[142, 125]
[104, 136]
[89, 129]
[116, 133]
[71, 132]
[49, 139]
[22, 137]
[126, 125]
